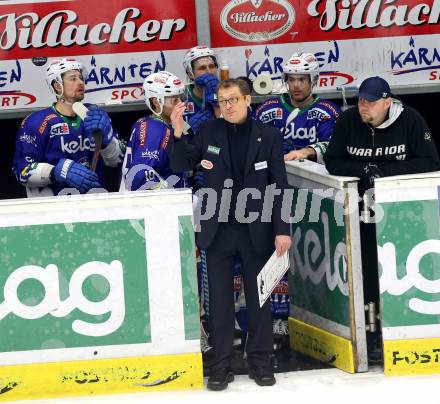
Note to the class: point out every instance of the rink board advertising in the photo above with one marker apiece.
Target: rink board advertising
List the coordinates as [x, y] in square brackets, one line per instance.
[326, 314]
[94, 283]
[398, 40]
[127, 40]
[119, 44]
[408, 240]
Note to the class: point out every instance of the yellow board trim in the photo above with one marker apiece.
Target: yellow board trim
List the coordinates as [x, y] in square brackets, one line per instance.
[412, 357]
[103, 376]
[321, 345]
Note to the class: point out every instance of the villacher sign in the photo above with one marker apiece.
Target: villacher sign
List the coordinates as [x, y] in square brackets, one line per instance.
[372, 13]
[30, 30]
[257, 20]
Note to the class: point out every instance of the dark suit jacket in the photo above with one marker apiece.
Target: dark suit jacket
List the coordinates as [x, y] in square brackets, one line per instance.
[264, 166]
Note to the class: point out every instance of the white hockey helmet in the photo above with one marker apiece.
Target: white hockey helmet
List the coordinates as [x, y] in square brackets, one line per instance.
[195, 53]
[302, 63]
[56, 69]
[160, 85]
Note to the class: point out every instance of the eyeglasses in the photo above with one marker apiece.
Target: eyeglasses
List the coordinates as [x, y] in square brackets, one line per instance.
[231, 101]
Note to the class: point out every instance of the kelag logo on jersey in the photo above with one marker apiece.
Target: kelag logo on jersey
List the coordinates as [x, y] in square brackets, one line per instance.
[271, 114]
[59, 129]
[301, 133]
[75, 146]
[257, 20]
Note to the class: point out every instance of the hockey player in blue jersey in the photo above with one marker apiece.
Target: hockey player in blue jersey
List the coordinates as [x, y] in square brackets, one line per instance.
[201, 66]
[306, 121]
[146, 162]
[307, 124]
[55, 148]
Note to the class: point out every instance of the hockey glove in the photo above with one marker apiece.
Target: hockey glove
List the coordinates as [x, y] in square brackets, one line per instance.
[97, 120]
[209, 82]
[199, 118]
[71, 174]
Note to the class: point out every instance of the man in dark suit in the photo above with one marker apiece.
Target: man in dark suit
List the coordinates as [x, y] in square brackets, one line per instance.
[243, 166]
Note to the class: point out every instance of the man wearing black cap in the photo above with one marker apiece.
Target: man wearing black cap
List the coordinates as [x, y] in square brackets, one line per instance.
[379, 138]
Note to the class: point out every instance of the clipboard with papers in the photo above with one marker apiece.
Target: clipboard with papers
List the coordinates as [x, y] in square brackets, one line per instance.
[271, 274]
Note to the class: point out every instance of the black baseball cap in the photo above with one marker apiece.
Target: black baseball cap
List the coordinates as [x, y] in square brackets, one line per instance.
[374, 88]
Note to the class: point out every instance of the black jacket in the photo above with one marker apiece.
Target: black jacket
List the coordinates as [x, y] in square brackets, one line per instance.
[405, 146]
[264, 166]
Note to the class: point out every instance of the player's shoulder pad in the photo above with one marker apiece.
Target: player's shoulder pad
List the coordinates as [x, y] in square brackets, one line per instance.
[140, 120]
[329, 106]
[154, 124]
[147, 128]
[38, 121]
[270, 102]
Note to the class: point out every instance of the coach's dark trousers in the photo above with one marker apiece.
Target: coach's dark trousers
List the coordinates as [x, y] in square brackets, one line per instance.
[232, 239]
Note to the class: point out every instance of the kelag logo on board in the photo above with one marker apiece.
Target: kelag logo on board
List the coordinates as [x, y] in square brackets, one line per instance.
[257, 20]
[65, 294]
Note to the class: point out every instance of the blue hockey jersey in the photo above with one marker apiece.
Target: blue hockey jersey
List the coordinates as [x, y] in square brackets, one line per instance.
[312, 126]
[46, 136]
[146, 164]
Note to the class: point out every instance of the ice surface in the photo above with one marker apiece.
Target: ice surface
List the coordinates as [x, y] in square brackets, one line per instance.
[325, 386]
